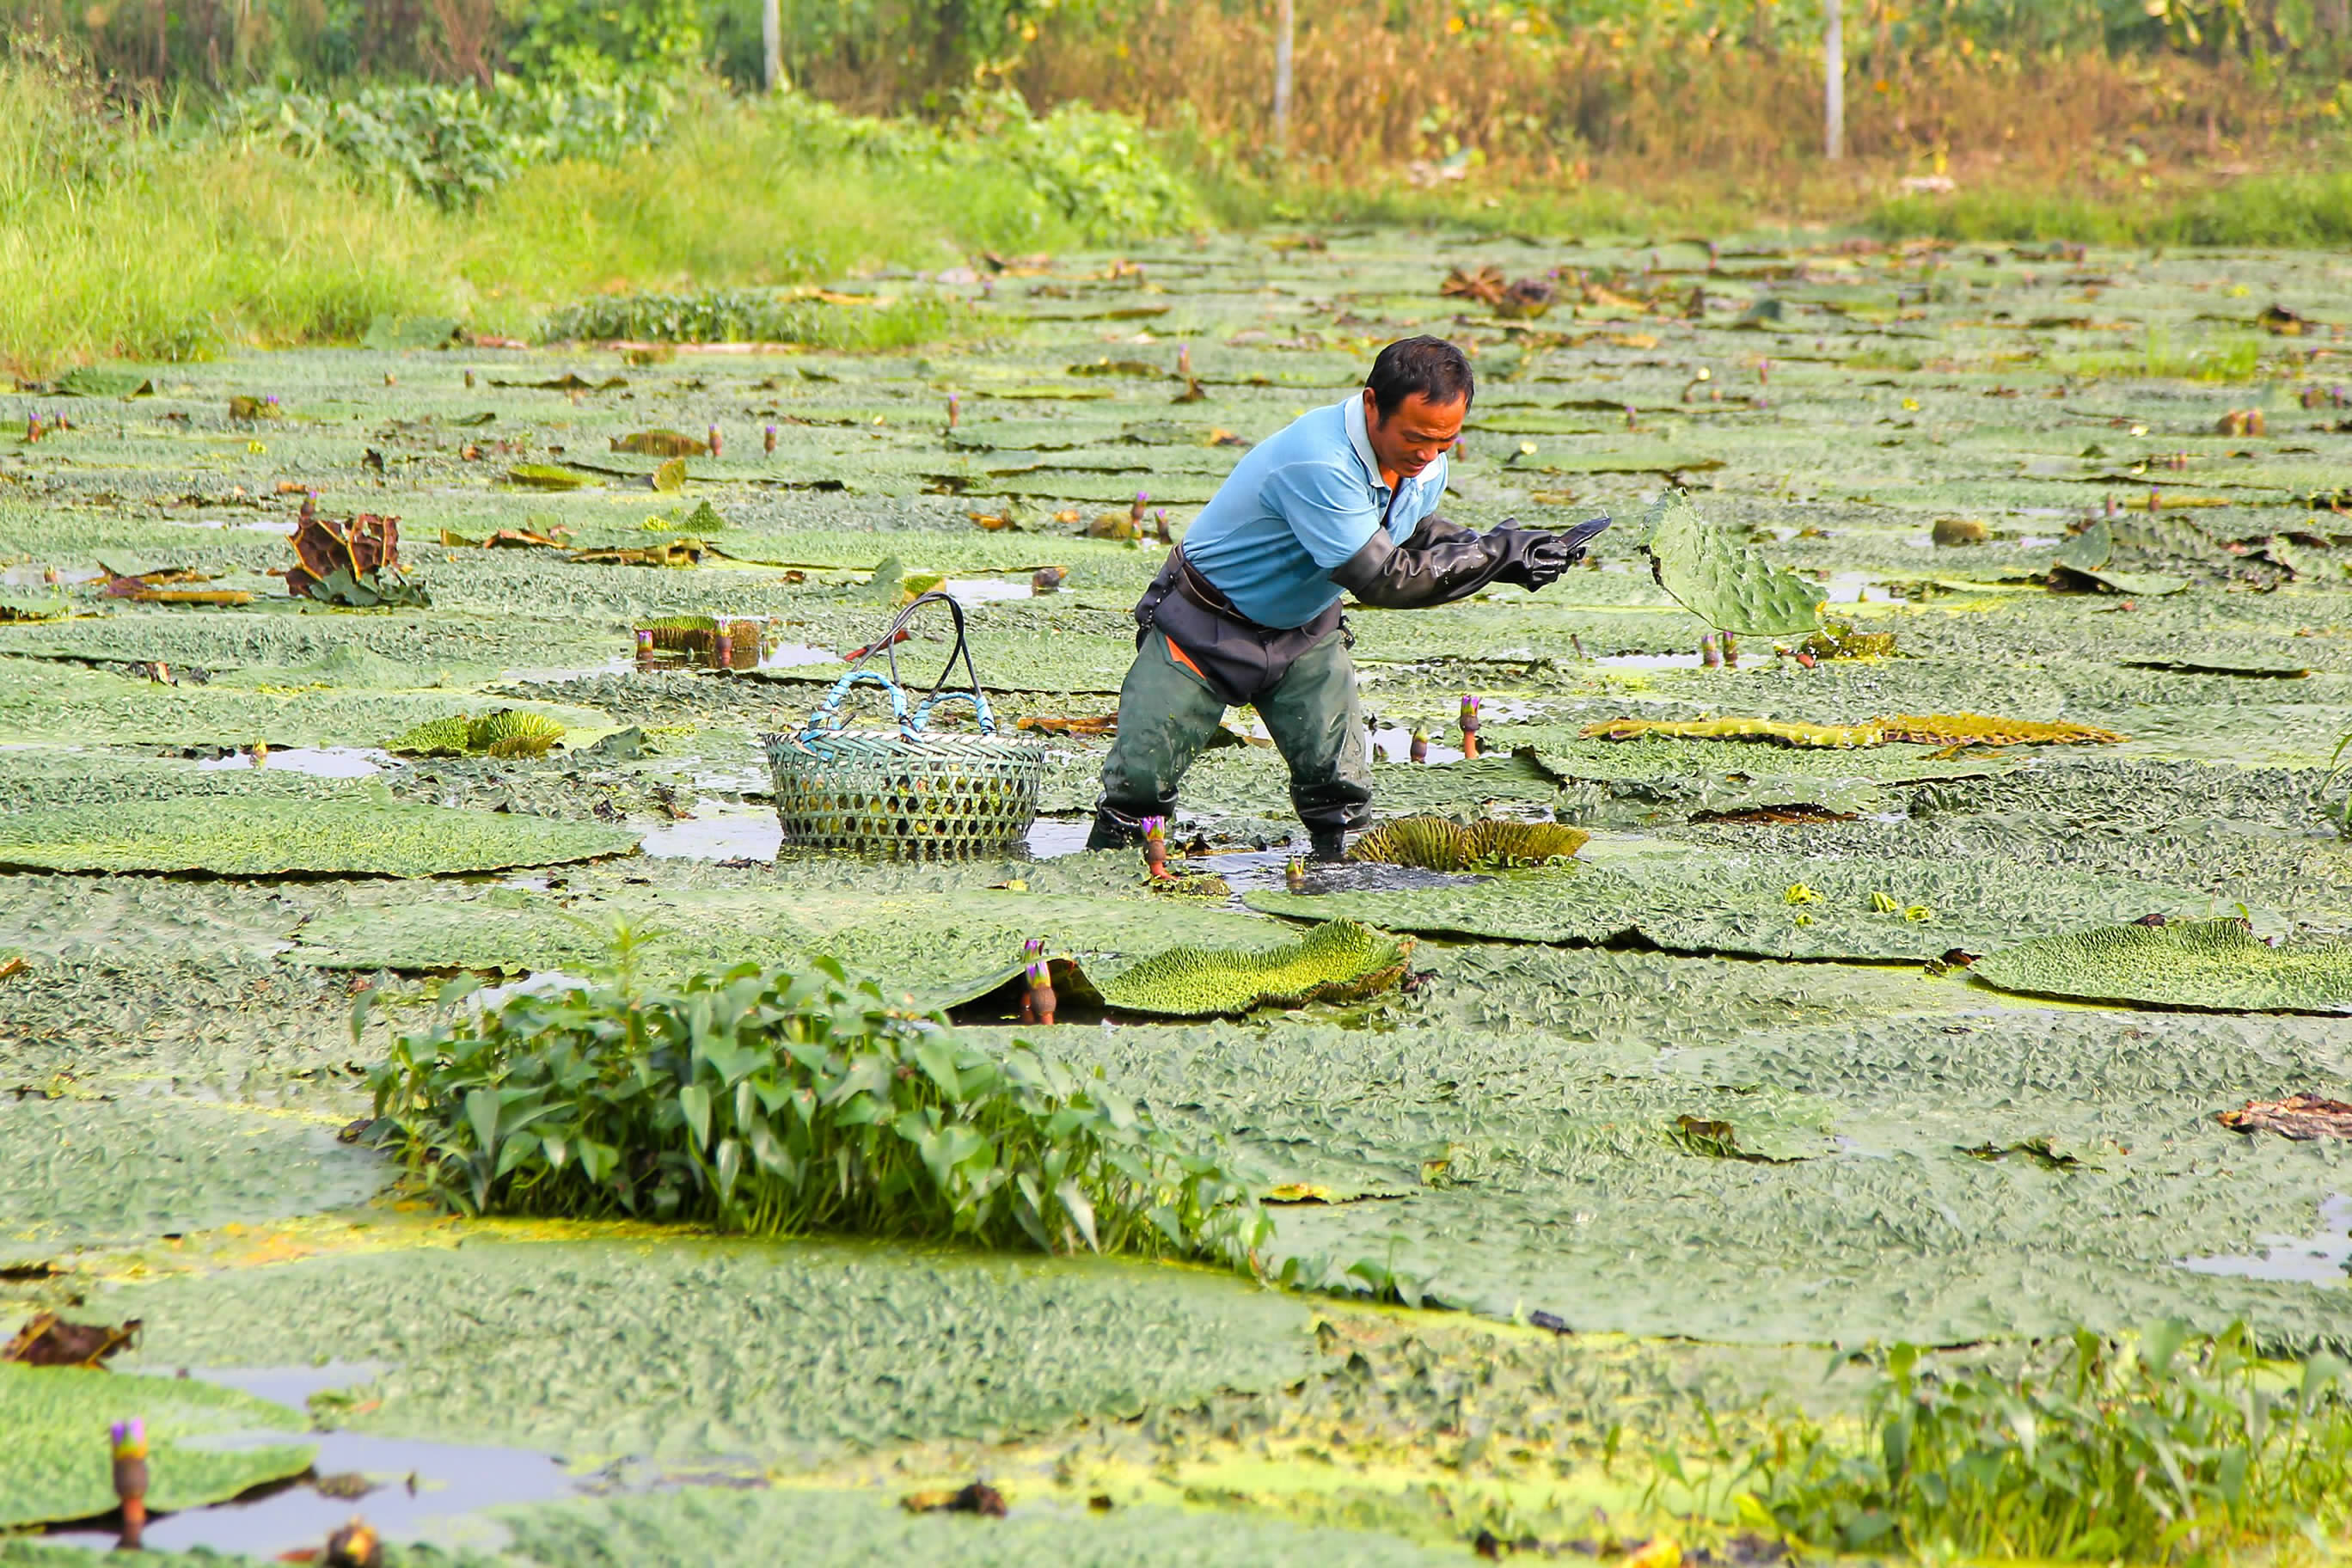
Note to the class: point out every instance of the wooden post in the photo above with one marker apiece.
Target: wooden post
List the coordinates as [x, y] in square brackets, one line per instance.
[1833, 81]
[772, 46]
[1282, 35]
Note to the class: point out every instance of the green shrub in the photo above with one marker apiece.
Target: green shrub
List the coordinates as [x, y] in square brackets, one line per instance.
[771, 1101]
[455, 144]
[2163, 1448]
[752, 315]
[1088, 168]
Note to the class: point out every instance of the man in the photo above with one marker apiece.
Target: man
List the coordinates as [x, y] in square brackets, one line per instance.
[1246, 610]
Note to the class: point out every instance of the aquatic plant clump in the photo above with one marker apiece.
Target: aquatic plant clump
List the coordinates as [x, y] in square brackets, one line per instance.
[1339, 960]
[776, 1101]
[2146, 1450]
[512, 733]
[508, 733]
[2214, 963]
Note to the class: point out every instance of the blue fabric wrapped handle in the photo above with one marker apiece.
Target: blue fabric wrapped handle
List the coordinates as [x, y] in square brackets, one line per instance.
[826, 718]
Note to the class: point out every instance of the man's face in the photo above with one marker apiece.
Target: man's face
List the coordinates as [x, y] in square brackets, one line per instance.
[1416, 434]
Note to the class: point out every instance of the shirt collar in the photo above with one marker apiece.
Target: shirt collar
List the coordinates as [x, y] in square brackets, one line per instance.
[1353, 415]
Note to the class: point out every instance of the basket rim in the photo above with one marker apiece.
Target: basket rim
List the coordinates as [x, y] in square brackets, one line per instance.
[781, 744]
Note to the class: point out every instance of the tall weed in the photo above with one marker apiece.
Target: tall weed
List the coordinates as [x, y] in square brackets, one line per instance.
[2169, 1447]
[776, 1103]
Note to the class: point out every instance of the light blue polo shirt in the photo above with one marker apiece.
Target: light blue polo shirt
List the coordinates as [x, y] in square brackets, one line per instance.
[1302, 501]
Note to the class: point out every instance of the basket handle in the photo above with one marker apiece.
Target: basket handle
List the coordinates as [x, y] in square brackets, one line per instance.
[979, 705]
[827, 715]
[889, 648]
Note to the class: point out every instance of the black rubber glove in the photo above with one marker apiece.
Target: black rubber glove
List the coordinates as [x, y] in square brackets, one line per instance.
[1435, 530]
[1444, 562]
[1539, 565]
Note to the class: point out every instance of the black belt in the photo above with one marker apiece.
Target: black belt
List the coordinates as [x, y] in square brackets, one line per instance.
[1205, 593]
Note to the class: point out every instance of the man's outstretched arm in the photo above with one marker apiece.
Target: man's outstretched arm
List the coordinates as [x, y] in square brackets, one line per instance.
[1444, 562]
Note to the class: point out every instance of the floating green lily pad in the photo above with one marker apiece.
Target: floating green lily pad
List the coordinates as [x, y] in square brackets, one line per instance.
[2213, 964]
[778, 1350]
[103, 380]
[16, 605]
[66, 1185]
[1767, 906]
[55, 1464]
[1334, 962]
[693, 1526]
[1720, 580]
[234, 838]
[940, 950]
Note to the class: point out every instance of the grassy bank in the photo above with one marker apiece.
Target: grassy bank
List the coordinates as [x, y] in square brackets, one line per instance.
[2303, 210]
[129, 238]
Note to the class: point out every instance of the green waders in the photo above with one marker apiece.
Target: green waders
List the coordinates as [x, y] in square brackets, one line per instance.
[1167, 714]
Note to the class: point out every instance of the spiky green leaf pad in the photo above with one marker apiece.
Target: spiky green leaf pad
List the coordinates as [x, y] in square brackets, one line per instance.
[1337, 961]
[510, 733]
[2191, 963]
[1721, 581]
[1436, 844]
[277, 838]
[434, 738]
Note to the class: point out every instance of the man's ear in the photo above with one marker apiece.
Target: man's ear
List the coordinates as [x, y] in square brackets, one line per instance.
[1371, 407]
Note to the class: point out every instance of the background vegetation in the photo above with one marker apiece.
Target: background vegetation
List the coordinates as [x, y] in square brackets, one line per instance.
[183, 174]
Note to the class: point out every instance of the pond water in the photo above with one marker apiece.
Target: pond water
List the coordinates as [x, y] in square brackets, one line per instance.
[1391, 745]
[791, 655]
[2317, 1259]
[719, 830]
[982, 590]
[318, 762]
[1519, 1105]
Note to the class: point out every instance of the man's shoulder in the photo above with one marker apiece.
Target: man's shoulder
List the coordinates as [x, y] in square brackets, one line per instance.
[1315, 448]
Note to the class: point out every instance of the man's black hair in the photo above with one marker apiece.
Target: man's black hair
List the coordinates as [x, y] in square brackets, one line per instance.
[1430, 366]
